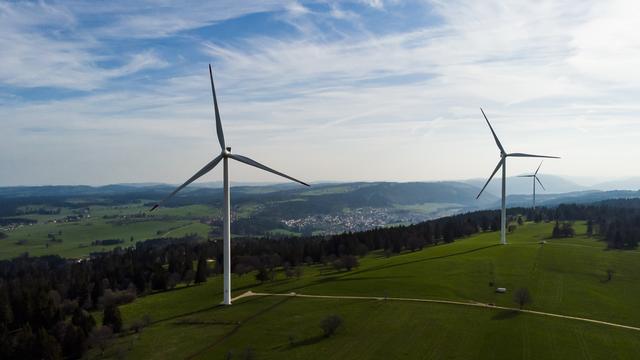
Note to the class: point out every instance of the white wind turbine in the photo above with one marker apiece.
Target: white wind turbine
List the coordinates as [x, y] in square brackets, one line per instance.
[503, 163]
[224, 156]
[535, 178]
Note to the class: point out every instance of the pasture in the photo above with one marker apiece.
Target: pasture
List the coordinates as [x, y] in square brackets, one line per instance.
[564, 276]
[73, 239]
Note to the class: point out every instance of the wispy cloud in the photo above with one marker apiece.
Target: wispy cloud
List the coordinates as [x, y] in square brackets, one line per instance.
[43, 46]
[337, 87]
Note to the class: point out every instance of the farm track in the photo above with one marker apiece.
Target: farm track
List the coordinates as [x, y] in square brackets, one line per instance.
[436, 301]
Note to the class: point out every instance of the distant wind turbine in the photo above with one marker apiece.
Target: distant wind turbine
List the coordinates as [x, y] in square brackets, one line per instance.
[535, 178]
[503, 163]
[224, 156]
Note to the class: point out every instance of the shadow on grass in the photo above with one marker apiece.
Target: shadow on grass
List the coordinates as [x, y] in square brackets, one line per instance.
[388, 266]
[505, 315]
[237, 327]
[307, 341]
[205, 309]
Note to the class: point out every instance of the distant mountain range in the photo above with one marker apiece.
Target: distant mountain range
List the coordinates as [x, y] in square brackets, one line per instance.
[520, 185]
[414, 200]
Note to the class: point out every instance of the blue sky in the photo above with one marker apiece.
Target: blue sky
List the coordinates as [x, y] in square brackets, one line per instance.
[109, 92]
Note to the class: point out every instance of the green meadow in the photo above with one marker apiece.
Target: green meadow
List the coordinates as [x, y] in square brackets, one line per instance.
[564, 276]
[77, 237]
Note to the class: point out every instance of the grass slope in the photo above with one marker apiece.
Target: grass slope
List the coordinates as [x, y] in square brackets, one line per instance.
[564, 276]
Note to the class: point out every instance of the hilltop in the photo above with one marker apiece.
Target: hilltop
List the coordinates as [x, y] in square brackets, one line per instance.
[564, 276]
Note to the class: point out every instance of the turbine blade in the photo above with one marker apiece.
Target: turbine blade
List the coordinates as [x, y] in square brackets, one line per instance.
[490, 177]
[202, 171]
[525, 176]
[531, 155]
[217, 112]
[254, 163]
[495, 137]
[536, 173]
[540, 182]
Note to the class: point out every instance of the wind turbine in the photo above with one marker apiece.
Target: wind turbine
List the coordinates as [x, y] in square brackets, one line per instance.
[224, 156]
[535, 178]
[503, 163]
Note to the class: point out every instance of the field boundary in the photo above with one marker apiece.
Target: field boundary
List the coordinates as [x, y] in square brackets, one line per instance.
[438, 301]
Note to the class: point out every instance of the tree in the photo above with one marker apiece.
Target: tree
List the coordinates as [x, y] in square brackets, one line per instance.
[242, 269]
[289, 271]
[555, 233]
[112, 318]
[83, 319]
[350, 262]
[330, 324]
[100, 338]
[522, 297]
[47, 347]
[173, 280]
[188, 277]
[264, 274]
[74, 344]
[160, 279]
[589, 228]
[202, 271]
[6, 312]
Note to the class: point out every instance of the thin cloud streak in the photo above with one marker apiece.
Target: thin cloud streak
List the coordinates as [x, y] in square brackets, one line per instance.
[356, 105]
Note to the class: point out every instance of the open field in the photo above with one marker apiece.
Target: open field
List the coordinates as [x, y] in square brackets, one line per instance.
[105, 222]
[566, 277]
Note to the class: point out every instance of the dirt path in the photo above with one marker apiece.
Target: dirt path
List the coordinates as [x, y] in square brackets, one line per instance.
[450, 302]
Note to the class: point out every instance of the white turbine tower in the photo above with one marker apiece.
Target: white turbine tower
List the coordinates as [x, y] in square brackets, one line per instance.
[535, 178]
[503, 163]
[224, 156]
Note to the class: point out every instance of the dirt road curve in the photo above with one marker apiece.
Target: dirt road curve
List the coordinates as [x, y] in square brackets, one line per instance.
[451, 302]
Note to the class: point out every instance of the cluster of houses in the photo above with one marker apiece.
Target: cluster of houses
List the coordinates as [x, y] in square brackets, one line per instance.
[352, 220]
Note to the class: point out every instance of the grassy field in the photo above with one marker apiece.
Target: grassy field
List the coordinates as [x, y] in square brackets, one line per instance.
[564, 276]
[77, 236]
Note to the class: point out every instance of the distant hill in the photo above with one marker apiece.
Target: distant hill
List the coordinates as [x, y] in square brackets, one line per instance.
[579, 197]
[518, 185]
[632, 183]
[323, 208]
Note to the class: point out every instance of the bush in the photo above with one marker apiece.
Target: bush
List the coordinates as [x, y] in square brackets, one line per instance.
[112, 318]
[330, 324]
[265, 274]
[346, 262]
[116, 298]
[563, 230]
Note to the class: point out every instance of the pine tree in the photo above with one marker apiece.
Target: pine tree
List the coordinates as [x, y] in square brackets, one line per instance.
[112, 318]
[82, 319]
[202, 271]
